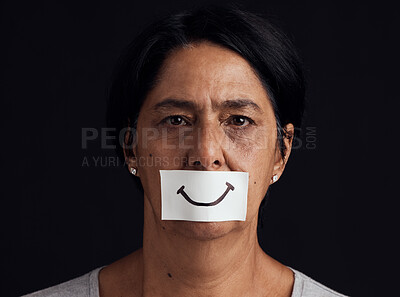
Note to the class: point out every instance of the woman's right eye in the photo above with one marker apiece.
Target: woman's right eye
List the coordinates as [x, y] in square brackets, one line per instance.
[176, 120]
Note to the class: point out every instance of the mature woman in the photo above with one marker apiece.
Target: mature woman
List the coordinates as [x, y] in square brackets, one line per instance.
[208, 90]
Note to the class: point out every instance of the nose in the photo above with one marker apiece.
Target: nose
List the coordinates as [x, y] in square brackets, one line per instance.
[207, 152]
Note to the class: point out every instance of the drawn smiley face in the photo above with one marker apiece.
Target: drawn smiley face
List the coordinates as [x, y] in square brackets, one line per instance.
[188, 199]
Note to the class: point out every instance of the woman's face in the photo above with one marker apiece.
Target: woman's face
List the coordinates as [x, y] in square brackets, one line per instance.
[208, 111]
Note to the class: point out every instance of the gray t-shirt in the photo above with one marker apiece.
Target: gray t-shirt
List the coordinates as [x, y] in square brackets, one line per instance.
[88, 286]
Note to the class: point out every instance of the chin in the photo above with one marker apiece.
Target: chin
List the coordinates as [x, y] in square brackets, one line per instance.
[203, 230]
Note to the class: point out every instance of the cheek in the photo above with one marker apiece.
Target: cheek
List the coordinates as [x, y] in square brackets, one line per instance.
[260, 168]
[151, 157]
[158, 149]
[251, 150]
[254, 153]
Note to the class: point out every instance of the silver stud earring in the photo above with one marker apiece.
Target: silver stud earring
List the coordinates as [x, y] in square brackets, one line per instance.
[133, 171]
[274, 178]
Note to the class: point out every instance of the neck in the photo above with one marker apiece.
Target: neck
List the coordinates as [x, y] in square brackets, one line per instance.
[229, 265]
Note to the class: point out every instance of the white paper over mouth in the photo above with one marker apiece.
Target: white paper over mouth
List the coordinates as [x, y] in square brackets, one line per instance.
[204, 196]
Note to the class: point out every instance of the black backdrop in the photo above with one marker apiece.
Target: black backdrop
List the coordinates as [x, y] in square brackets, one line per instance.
[329, 216]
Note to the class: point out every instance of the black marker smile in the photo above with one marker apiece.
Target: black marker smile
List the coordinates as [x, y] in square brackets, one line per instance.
[188, 199]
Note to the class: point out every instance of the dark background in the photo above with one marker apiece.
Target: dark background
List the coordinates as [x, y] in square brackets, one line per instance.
[332, 214]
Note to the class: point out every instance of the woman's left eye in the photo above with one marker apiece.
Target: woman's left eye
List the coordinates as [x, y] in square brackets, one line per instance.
[175, 120]
[240, 121]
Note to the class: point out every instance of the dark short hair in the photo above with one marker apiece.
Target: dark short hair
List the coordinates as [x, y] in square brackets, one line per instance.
[269, 52]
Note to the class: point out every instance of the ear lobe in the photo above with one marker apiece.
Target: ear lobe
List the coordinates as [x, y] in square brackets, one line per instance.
[280, 161]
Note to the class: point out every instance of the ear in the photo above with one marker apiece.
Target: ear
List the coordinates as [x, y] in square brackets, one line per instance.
[129, 149]
[280, 161]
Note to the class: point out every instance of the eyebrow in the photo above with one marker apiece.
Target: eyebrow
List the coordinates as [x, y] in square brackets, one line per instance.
[177, 103]
[240, 103]
[185, 104]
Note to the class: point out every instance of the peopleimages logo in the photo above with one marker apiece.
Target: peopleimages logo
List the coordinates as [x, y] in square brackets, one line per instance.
[182, 138]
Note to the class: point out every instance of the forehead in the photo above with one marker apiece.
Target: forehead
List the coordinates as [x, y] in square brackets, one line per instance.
[207, 73]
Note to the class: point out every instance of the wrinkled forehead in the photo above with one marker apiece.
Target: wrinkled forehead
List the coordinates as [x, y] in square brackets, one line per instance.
[207, 74]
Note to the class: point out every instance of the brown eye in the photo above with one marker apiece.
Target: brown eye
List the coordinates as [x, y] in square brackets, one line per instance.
[240, 121]
[176, 120]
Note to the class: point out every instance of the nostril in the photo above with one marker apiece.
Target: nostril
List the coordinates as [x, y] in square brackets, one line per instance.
[199, 163]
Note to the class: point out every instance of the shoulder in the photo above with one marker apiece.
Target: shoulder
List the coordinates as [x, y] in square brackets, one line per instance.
[305, 286]
[83, 286]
